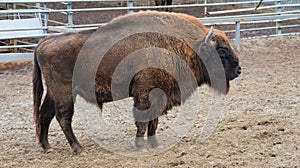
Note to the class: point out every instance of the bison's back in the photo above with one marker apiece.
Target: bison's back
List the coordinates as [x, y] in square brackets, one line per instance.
[57, 54]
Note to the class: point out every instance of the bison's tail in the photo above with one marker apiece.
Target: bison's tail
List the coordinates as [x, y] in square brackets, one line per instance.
[37, 93]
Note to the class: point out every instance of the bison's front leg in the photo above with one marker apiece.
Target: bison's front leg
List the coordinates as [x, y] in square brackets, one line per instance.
[142, 127]
[147, 109]
[141, 130]
[151, 133]
[141, 104]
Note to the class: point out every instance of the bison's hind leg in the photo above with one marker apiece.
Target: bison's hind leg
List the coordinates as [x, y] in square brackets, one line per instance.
[45, 117]
[64, 114]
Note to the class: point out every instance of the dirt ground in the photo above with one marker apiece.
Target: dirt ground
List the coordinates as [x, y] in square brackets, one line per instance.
[259, 126]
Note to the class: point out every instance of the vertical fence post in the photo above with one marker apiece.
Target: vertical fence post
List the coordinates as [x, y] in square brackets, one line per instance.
[129, 4]
[205, 8]
[14, 6]
[45, 17]
[238, 35]
[14, 42]
[278, 23]
[70, 14]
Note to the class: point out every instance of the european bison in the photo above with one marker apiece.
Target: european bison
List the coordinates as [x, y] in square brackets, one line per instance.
[164, 2]
[56, 56]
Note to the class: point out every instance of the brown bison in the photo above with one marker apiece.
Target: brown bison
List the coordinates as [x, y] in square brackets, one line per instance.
[56, 56]
[164, 2]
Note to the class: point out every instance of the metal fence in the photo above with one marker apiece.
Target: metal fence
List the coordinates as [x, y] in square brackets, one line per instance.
[237, 18]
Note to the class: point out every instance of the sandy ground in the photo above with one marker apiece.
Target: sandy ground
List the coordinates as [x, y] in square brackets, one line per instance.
[260, 124]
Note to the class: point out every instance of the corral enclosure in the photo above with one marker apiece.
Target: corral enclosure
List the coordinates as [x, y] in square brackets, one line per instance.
[259, 127]
[238, 19]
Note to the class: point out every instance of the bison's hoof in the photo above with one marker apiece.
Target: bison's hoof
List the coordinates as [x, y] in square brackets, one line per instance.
[139, 142]
[77, 149]
[152, 142]
[44, 145]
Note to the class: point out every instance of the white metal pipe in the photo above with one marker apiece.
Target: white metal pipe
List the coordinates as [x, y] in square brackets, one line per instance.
[22, 29]
[125, 8]
[238, 35]
[251, 9]
[261, 28]
[48, 1]
[51, 1]
[19, 46]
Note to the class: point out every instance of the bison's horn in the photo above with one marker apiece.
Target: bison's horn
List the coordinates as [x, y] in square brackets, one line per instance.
[209, 34]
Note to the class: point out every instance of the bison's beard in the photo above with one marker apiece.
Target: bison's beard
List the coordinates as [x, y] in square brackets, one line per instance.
[227, 86]
[220, 86]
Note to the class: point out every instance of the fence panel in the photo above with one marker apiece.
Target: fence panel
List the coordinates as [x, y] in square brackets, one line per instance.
[237, 18]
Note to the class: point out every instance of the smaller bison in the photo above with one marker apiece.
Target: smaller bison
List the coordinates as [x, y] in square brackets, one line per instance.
[163, 3]
[55, 59]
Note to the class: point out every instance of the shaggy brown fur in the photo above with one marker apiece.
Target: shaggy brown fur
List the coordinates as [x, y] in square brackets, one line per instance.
[55, 58]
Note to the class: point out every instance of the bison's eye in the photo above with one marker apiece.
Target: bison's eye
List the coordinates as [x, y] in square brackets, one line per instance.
[222, 52]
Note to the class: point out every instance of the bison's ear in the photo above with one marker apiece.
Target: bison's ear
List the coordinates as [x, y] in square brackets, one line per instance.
[207, 47]
[209, 35]
[209, 39]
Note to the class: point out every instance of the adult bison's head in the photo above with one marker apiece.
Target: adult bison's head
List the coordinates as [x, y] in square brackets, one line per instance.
[229, 59]
[216, 47]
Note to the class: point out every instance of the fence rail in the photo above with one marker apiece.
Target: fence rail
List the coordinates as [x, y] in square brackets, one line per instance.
[278, 12]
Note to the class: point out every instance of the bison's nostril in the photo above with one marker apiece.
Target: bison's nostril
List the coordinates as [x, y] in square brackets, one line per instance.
[239, 70]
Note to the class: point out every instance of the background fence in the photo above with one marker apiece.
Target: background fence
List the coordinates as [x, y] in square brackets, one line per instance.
[24, 22]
